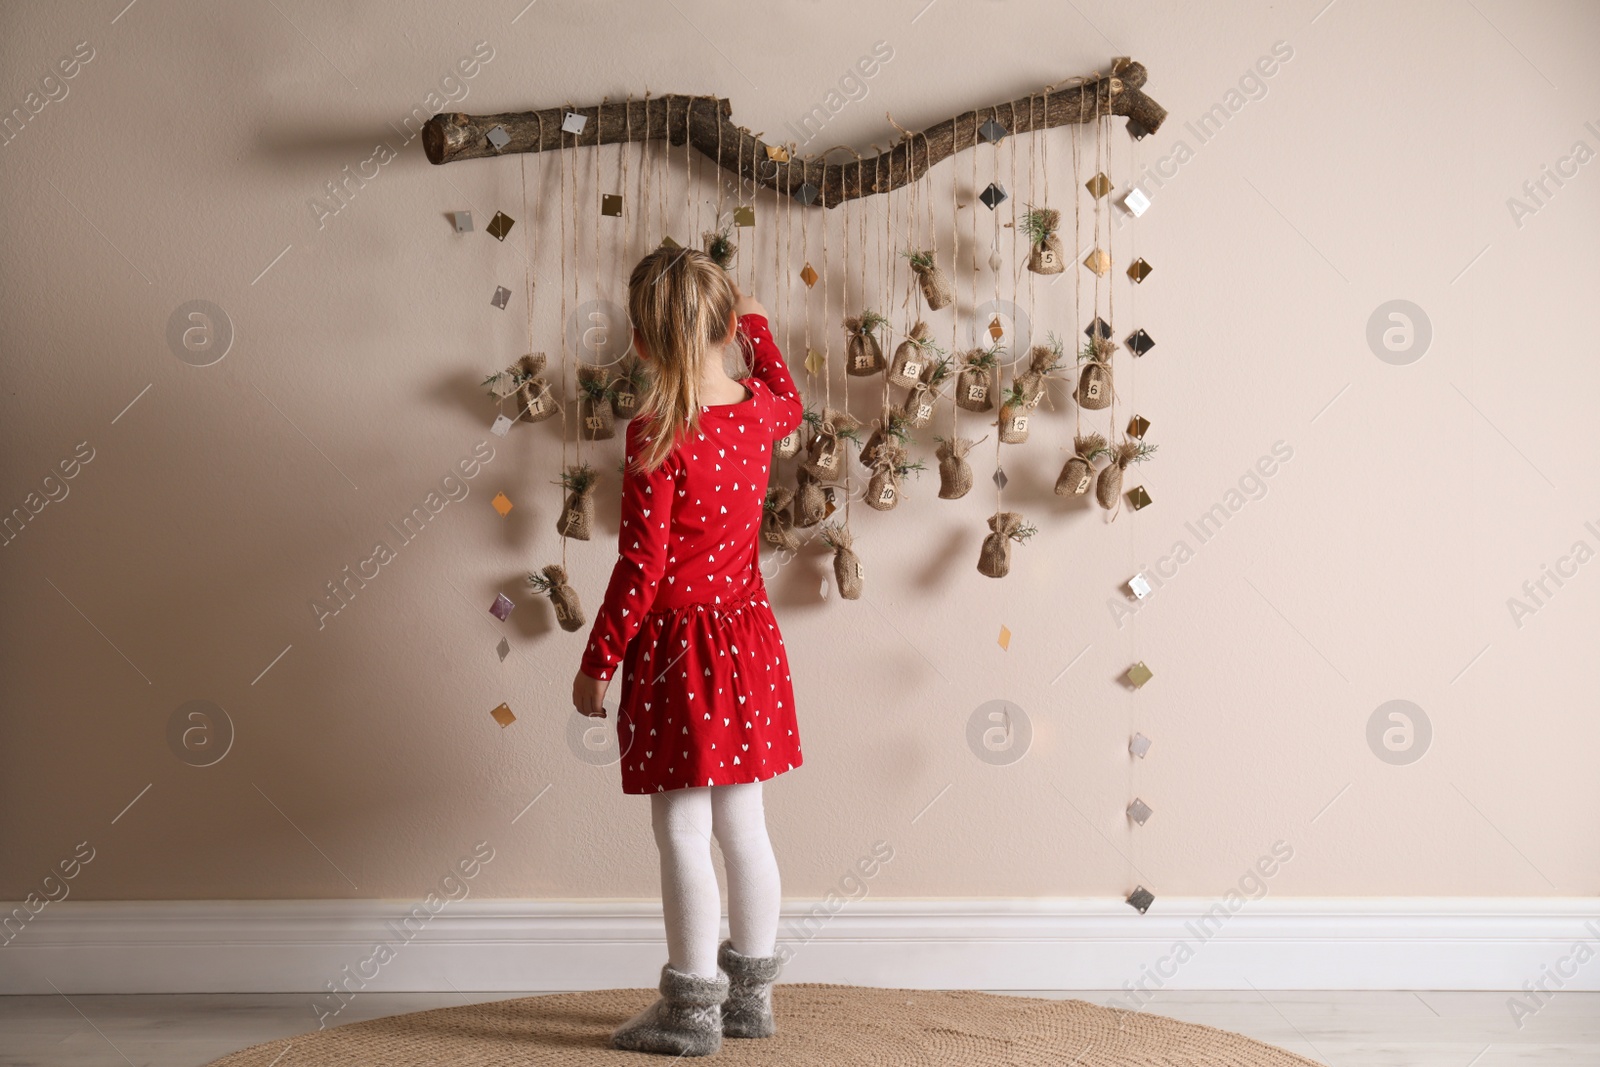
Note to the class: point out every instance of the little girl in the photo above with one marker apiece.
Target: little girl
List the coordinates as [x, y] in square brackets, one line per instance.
[707, 708]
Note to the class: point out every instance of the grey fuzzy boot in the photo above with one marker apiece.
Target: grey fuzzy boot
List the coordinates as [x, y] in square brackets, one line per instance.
[748, 1010]
[685, 1021]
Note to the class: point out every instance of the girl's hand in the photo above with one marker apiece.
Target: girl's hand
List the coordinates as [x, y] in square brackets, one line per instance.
[588, 695]
[747, 305]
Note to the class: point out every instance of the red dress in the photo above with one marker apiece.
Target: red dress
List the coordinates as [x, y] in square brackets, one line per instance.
[706, 697]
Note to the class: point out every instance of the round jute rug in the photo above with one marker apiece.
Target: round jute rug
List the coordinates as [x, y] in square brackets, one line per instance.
[817, 1024]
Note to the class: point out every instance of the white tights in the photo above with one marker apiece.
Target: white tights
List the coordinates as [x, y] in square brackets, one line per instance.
[685, 821]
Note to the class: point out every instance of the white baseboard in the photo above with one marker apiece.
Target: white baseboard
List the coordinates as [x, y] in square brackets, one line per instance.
[301, 946]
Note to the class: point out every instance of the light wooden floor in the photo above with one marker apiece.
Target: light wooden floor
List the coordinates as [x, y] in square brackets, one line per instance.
[1339, 1029]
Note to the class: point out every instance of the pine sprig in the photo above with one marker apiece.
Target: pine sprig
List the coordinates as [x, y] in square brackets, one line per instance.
[922, 258]
[578, 479]
[1039, 223]
[541, 583]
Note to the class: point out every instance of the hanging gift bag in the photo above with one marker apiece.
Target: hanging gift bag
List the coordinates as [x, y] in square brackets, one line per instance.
[810, 502]
[777, 523]
[994, 557]
[911, 356]
[1014, 415]
[975, 383]
[1046, 256]
[863, 355]
[883, 488]
[1077, 474]
[552, 582]
[1094, 380]
[627, 387]
[846, 564]
[1043, 361]
[577, 513]
[1109, 485]
[955, 473]
[936, 287]
[595, 418]
[825, 454]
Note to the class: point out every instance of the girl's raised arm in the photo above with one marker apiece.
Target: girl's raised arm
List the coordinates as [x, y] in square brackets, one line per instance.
[766, 363]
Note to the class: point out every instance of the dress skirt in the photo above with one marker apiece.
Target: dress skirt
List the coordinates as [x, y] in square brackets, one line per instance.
[706, 697]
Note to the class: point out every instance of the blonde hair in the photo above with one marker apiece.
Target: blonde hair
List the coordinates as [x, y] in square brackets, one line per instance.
[680, 301]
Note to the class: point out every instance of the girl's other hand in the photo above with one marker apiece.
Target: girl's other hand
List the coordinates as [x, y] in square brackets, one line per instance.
[588, 695]
[747, 305]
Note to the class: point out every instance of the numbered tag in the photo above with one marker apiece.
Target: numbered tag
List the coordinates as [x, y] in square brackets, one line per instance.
[977, 392]
[924, 411]
[1047, 258]
[886, 494]
[1094, 389]
[911, 369]
[1083, 484]
[625, 399]
[1019, 423]
[594, 422]
[573, 519]
[561, 611]
[772, 535]
[863, 360]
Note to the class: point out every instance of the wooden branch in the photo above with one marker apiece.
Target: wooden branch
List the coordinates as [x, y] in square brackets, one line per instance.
[704, 120]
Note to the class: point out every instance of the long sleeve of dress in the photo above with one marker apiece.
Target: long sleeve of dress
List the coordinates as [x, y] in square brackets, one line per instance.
[766, 363]
[641, 558]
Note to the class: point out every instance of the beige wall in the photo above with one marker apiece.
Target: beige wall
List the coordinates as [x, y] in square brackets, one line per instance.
[1376, 566]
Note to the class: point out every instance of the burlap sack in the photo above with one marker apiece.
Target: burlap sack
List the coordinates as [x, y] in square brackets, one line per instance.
[1077, 474]
[919, 405]
[564, 598]
[846, 564]
[777, 522]
[955, 473]
[1014, 419]
[535, 401]
[626, 388]
[890, 427]
[1109, 486]
[810, 502]
[596, 418]
[1094, 386]
[577, 513]
[883, 489]
[936, 287]
[1047, 256]
[975, 384]
[910, 357]
[1042, 361]
[863, 355]
[787, 446]
[825, 455]
[994, 558]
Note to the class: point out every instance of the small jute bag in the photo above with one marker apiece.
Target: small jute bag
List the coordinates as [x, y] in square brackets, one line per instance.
[1042, 363]
[777, 524]
[883, 488]
[595, 417]
[1094, 381]
[825, 455]
[627, 386]
[846, 564]
[524, 379]
[1014, 416]
[552, 582]
[936, 287]
[1077, 474]
[955, 473]
[994, 558]
[810, 502]
[577, 513]
[1109, 485]
[975, 383]
[788, 446]
[891, 425]
[1047, 256]
[911, 356]
[863, 355]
